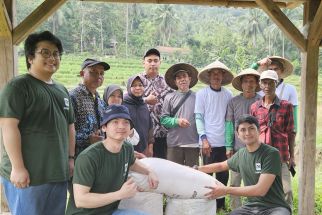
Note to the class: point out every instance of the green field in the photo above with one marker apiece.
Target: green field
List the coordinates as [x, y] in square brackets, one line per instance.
[121, 69]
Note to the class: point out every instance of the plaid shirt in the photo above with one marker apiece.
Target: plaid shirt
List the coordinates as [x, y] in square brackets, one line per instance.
[276, 124]
[161, 89]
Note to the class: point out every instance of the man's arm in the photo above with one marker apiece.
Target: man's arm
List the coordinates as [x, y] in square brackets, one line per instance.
[71, 148]
[229, 138]
[19, 176]
[206, 148]
[260, 189]
[214, 167]
[85, 199]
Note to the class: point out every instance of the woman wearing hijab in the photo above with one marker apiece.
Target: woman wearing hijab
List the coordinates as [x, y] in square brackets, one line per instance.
[140, 115]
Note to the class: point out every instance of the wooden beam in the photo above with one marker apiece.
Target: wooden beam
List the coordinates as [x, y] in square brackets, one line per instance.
[37, 17]
[315, 30]
[5, 22]
[307, 146]
[219, 3]
[283, 23]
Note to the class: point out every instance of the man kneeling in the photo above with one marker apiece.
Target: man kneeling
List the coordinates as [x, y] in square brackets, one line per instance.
[260, 167]
[100, 174]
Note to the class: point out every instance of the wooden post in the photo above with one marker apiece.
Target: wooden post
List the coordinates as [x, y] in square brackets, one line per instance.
[309, 87]
[8, 64]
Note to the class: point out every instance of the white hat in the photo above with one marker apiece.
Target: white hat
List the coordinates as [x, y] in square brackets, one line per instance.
[269, 74]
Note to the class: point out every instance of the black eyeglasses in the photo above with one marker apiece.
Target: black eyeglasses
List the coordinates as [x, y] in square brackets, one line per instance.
[46, 53]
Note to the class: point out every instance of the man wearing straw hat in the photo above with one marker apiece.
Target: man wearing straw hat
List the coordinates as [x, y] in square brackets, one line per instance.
[276, 123]
[283, 68]
[178, 115]
[210, 111]
[247, 81]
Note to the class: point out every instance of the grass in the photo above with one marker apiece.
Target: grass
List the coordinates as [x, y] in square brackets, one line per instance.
[122, 69]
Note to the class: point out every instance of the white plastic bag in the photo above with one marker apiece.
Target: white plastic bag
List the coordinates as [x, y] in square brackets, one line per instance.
[150, 203]
[176, 180]
[190, 207]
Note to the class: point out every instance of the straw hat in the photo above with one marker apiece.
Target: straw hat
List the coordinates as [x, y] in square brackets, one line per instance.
[288, 67]
[237, 83]
[227, 75]
[179, 67]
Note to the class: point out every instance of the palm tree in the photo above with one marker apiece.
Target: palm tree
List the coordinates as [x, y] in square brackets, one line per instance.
[167, 20]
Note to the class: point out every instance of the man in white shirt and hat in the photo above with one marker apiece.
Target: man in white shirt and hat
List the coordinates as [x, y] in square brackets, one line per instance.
[247, 81]
[210, 111]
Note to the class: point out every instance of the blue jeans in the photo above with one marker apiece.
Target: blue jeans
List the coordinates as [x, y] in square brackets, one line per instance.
[128, 212]
[49, 199]
[246, 210]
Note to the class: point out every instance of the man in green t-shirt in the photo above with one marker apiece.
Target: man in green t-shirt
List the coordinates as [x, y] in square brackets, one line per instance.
[260, 167]
[100, 177]
[37, 123]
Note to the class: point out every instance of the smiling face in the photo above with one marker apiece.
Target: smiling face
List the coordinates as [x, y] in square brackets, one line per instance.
[115, 98]
[248, 133]
[117, 129]
[46, 60]
[182, 81]
[93, 76]
[268, 86]
[137, 88]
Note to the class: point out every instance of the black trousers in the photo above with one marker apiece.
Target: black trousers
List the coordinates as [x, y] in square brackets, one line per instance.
[160, 147]
[217, 155]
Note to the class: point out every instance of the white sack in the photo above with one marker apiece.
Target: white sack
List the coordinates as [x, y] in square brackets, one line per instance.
[176, 180]
[190, 207]
[150, 203]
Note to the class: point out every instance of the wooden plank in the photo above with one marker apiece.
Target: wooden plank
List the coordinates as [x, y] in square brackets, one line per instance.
[315, 30]
[307, 146]
[5, 23]
[283, 23]
[36, 18]
[219, 3]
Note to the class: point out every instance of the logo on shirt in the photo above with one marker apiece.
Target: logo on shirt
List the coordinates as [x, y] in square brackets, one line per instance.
[125, 169]
[66, 104]
[258, 167]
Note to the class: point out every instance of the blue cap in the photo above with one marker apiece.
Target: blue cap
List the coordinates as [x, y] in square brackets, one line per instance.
[115, 112]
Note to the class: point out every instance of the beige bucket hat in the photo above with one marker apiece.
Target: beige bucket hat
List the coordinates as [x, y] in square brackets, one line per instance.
[227, 75]
[288, 67]
[179, 67]
[237, 83]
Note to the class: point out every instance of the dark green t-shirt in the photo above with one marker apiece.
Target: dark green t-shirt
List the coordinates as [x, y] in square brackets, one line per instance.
[44, 115]
[251, 165]
[102, 171]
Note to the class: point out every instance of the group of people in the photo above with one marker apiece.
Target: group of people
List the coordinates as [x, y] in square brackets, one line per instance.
[57, 140]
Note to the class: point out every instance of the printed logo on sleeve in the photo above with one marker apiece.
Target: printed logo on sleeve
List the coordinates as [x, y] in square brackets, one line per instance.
[125, 169]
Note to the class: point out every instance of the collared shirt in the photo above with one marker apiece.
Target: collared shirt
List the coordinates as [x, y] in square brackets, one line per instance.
[88, 112]
[276, 124]
[161, 89]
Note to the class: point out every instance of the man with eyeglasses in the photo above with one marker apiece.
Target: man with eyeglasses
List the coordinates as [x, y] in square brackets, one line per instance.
[276, 123]
[87, 104]
[37, 124]
[155, 90]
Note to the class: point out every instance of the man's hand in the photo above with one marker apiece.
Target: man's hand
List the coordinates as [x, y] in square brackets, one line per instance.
[183, 123]
[229, 153]
[95, 137]
[265, 62]
[128, 189]
[152, 99]
[153, 180]
[216, 192]
[206, 148]
[291, 162]
[149, 150]
[19, 177]
[139, 155]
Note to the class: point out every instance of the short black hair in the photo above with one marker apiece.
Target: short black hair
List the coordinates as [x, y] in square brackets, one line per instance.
[33, 39]
[243, 76]
[247, 118]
